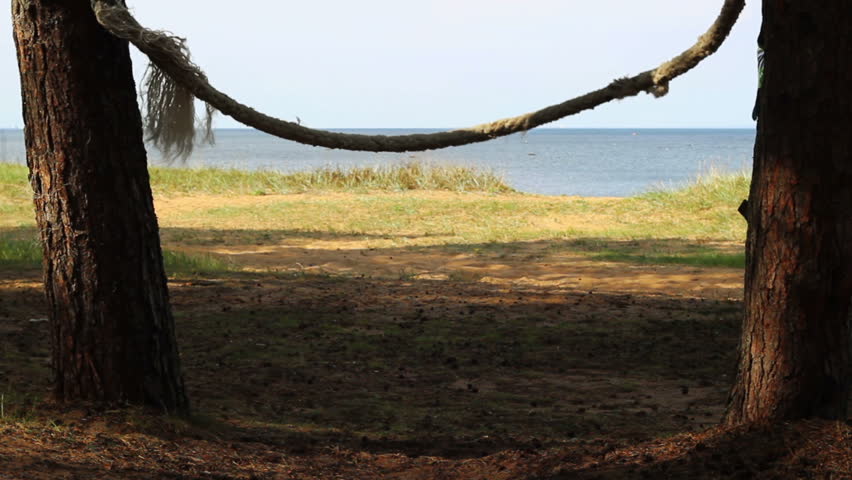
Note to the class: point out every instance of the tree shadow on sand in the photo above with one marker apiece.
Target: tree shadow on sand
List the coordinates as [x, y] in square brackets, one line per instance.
[447, 368]
[536, 377]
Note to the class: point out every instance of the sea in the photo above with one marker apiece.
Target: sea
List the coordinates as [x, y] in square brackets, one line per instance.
[556, 161]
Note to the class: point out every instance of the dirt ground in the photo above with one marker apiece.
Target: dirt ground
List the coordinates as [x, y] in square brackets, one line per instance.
[327, 358]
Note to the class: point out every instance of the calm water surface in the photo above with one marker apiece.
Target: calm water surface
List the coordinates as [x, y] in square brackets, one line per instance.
[588, 162]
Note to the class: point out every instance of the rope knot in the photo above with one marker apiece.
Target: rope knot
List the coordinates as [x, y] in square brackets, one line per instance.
[659, 90]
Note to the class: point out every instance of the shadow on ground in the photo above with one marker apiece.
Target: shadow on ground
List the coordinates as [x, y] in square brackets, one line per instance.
[424, 367]
[301, 373]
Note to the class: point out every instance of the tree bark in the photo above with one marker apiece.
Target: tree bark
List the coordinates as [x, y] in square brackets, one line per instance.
[795, 347]
[112, 330]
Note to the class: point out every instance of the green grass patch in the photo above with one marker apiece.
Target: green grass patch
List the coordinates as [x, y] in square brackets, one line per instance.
[411, 176]
[706, 208]
[13, 174]
[17, 408]
[706, 259]
[194, 264]
[412, 216]
[709, 190]
[16, 205]
[17, 253]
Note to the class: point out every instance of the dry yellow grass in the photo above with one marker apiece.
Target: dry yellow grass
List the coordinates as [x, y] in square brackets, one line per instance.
[697, 225]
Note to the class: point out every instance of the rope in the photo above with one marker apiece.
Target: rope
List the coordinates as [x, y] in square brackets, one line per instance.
[170, 55]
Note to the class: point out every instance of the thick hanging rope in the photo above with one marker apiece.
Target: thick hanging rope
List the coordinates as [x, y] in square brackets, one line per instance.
[173, 80]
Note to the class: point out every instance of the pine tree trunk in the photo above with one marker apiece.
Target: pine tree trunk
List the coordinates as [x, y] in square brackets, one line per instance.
[795, 348]
[112, 330]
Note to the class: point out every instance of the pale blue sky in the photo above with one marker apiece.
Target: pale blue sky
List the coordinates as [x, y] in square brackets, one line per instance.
[445, 63]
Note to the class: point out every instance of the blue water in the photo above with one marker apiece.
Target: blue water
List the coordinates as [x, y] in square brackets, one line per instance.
[588, 162]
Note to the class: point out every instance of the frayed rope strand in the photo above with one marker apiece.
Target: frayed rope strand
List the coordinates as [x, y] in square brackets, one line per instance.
[169, 116]
[170, 55]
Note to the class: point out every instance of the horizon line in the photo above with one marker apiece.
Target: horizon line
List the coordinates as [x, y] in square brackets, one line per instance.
[753, 127]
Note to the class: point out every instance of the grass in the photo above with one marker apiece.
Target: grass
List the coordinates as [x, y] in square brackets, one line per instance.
[708, 259]
[15, 196]
[704, 208]
[415, 206]
[411, 176]
[17, 253]
[212, 181]
[424, 365]
[16, 408]
[180, 263]
[707, 191]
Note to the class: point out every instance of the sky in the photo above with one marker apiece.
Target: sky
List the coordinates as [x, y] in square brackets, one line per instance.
[447, 63]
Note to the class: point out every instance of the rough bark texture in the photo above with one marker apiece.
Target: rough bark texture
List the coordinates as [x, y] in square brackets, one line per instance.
[112, 328]
[794, 358]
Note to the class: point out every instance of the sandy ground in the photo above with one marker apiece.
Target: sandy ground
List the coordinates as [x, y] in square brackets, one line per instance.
[528, 263]
[626, 421]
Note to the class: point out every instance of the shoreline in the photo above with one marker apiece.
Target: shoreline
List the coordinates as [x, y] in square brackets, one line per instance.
[581, 162]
